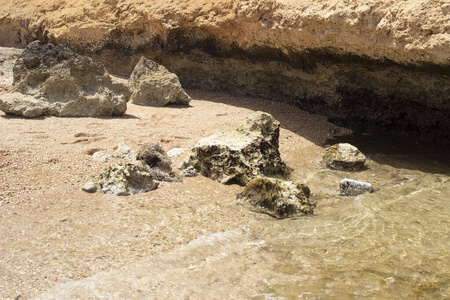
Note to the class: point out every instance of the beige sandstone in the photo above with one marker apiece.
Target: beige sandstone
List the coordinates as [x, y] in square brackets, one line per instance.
[403, 31]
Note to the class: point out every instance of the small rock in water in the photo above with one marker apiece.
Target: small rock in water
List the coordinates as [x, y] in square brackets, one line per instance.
[278, 198]
[127, 178]
[351, 187]
[344, 156]
[90, 186]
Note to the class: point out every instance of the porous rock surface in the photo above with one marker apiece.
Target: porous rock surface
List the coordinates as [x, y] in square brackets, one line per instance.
[152, 155]
[239, 156]
[127, 178]
[371, 64]
[278, 198]
[155, 156]
[344, 156]
[152, 84]
[352, 187]
[52, 80]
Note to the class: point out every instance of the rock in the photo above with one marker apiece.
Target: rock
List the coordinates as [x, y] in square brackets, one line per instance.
[278, 198]
[176, 152]
[351, 187]
[127, 178]
[91, 186]
[53, 80]
[161, 175]
[125, 152]
[154, 155]
[152, 84]
[102, 157]
[344, 156]
[239, 156]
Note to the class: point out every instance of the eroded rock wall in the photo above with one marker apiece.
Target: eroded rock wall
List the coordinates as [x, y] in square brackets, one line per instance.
[372, 63]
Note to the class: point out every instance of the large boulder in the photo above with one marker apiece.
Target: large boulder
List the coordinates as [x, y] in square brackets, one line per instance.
[126, 178]
[239, 156]
[344, 156]
[52, 80]
[152, 84]
[278, 198]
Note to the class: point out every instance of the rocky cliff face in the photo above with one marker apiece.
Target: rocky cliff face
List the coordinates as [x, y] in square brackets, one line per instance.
[369, 63]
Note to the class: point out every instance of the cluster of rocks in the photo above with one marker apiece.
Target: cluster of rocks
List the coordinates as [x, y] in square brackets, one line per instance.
[346, 157]
[247, 156]
[53, 80]
[132, 172]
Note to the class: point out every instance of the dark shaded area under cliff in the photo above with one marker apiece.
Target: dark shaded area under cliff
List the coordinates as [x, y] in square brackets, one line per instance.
[364, 94]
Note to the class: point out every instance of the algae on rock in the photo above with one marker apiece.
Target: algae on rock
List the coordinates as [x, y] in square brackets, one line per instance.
[278, 198]
[239, 156]
[127, 178]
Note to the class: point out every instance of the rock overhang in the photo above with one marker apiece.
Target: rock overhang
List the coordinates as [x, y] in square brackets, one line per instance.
[366, 65]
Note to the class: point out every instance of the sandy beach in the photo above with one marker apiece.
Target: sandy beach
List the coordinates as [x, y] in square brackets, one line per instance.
[54, 232]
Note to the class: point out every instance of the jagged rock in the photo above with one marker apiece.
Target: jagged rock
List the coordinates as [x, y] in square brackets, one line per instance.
[154, 155]
[344, 156]
[278, 198]
[151, 154]
[127, 178]
[91, 186]
[53, 80]
[351, 187]
[152, 84]
[239, 156]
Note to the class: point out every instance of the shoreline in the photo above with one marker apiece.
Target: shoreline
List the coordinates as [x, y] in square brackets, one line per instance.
[52, 232]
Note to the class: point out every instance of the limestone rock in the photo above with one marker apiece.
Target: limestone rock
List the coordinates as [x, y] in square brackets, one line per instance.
[125, 152]
[344, 156]
[239, 156]
[278, 198]
[102, 157]
[53, 80]
[127, 178]
[351, 187]
[176, 152]
[152, 84]
[154, 155]
[91, 186]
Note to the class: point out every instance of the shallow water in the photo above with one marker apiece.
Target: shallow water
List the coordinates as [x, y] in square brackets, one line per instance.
[392, 243]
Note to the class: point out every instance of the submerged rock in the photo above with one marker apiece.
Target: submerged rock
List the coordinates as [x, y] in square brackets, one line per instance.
[152, 84]
[351, 187]
[52, 80]
[278, 198]
[344, 156]
[127, 178]
[239, 156]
